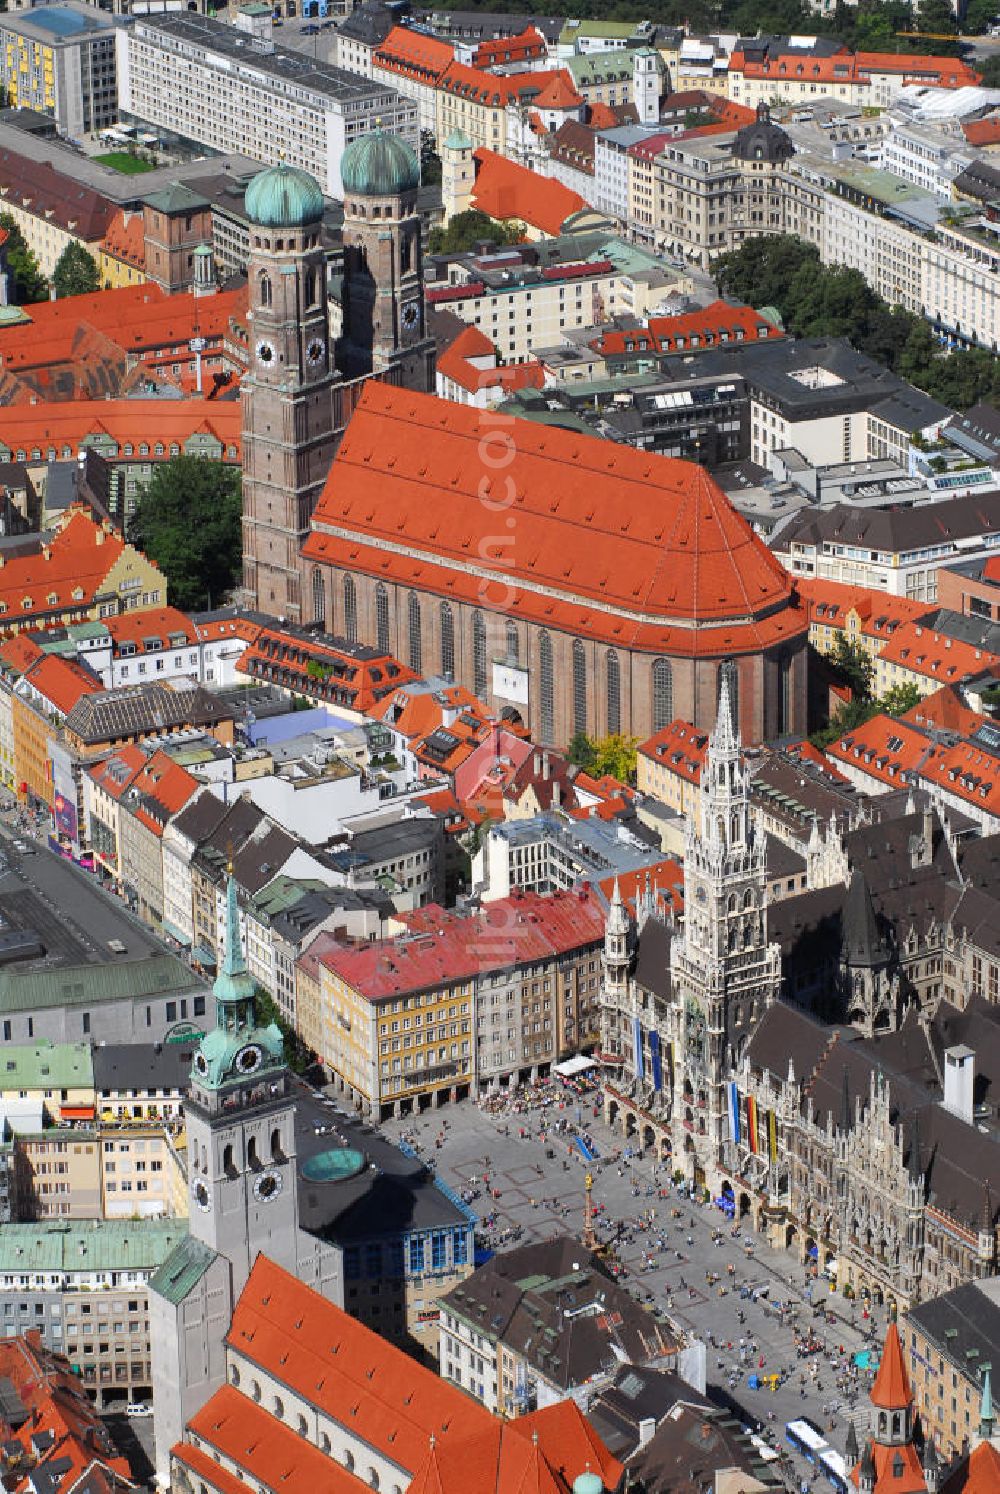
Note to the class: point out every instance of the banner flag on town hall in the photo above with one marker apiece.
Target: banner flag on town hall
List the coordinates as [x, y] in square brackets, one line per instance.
[654, 1059]
[734, 1112]
[640, 1066]
[752, 1122]
[772, 1135]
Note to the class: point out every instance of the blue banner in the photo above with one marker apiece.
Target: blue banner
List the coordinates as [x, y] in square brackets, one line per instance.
[654, 1058]
[734, 1112]
[640, 1065]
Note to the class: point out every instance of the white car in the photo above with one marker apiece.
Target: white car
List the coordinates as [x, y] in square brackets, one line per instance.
[138, 1408]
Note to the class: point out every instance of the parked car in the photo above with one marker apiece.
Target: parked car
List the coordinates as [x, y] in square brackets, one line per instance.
[138, 1408]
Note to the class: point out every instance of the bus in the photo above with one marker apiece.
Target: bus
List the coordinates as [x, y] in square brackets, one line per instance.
[806, 1437]
[834, 1469]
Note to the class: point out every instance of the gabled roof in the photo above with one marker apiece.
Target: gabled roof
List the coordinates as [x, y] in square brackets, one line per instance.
[271, 1453]
[715, 325]
[60, 430]
[678, 747]
[612, 541]
[67, 570]
[503, 190]
[414, 54]
[559, 93]
[153, 630]
[61, 682]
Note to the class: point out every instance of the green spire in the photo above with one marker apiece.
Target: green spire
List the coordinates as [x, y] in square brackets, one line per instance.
[986, 1407]
[234, 986]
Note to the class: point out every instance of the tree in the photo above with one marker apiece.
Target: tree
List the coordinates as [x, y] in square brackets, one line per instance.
[188, 521]
[466, 229]
[27, 281]
[900, 699]
[430, 161]
[297, 1055]
[76, 272]
[615, 754]
[581, 751]
[854, 666]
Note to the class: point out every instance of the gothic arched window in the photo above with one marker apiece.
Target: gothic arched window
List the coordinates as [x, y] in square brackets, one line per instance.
[447, 640]
[310, 288]
[579, 688]
[319, 597]
[350, 610]
[545, 689]
[479, 656]
[513, 647]
[382, 617]
[264, 288]
[413, 619]
[663, 694]
[614, 693]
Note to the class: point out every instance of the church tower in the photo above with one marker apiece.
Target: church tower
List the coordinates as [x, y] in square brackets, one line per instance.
[723, 970]
[240, 1126]
[384, 330]
[287, 394]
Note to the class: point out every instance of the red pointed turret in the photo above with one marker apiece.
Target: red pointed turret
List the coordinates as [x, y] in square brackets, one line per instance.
[891, 1391]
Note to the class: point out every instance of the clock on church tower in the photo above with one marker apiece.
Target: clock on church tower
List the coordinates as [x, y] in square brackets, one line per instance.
[240, 1125]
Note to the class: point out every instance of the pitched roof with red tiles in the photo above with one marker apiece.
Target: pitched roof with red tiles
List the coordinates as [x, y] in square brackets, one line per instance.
[968, 772]
[343, 673]
[935, 656]
[503, 190]
[893, 752]
[147, 427]
[455, 362]
[664, 879]
[897, 1470]
[601, 116]
[542, 1453]
[498, 50]
[493, 89]
[65, 574]
[114, 774]
[946, 708]
[521, 929]
[559, 93]
[830, 604]
[126, 238]
[332, 1361]
[414, 54]
[278, 1458]
[713, 326]
[982, 132]
[160, 790]
[632, 548]
[61, 682]
[678, 747]
[55, 196]
[17, 655]
[142, 319]
[63, 1443]
[152, 630]
[977, 1474]
[891, 1390]
[857, 69]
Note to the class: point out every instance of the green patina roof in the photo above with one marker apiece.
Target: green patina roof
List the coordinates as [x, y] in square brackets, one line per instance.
[46, 1066]
[333, 1166]
[79, 985]
[457, 140]
[182, 1270]
[379, 165]
[284, 892]
[176, 198]
[284, 197]
[92, 1245]
[592, 67]
[236, 1032]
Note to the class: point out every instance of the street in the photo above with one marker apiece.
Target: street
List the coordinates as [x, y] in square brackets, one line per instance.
[541, 1196]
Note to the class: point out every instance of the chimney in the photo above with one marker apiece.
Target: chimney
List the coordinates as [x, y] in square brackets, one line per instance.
[545, 766]
[959, 1080]
[647, 1426]
[537, 765]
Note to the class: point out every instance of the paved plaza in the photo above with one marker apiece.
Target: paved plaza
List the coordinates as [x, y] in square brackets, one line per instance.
[540, 1195]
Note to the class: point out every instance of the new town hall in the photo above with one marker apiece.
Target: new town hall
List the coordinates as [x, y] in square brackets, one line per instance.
[805, 1058]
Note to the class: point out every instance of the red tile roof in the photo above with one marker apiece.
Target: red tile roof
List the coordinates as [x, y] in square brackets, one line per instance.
[116, 773]
[332, 1361]
[55, 196]
[559, 93]
[980, 1474]
[830, 604]
[947, 709]
[63, 1438]
[164, 787]
[496, 51]
[61, 681]
[611, 541]
[153, 628]
[712, 326]
[126, 238]
[455, 363]
[678, 747]
[274, 1455]
[934, 655]
[891, 1477]
[505, 190]
[843, 68]
[891, 751]
[982, 132]
[67, 574]
[413, 54]
[891, 1390]
[492, 89]
[62, 427]
[445, 947]
[353, 678]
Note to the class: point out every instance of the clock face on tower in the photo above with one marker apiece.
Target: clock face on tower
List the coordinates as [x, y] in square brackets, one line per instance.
[265, 351]
[249, 1059]
[267, 1186]
[410, 315]
[315, 351]
[201, 1195]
